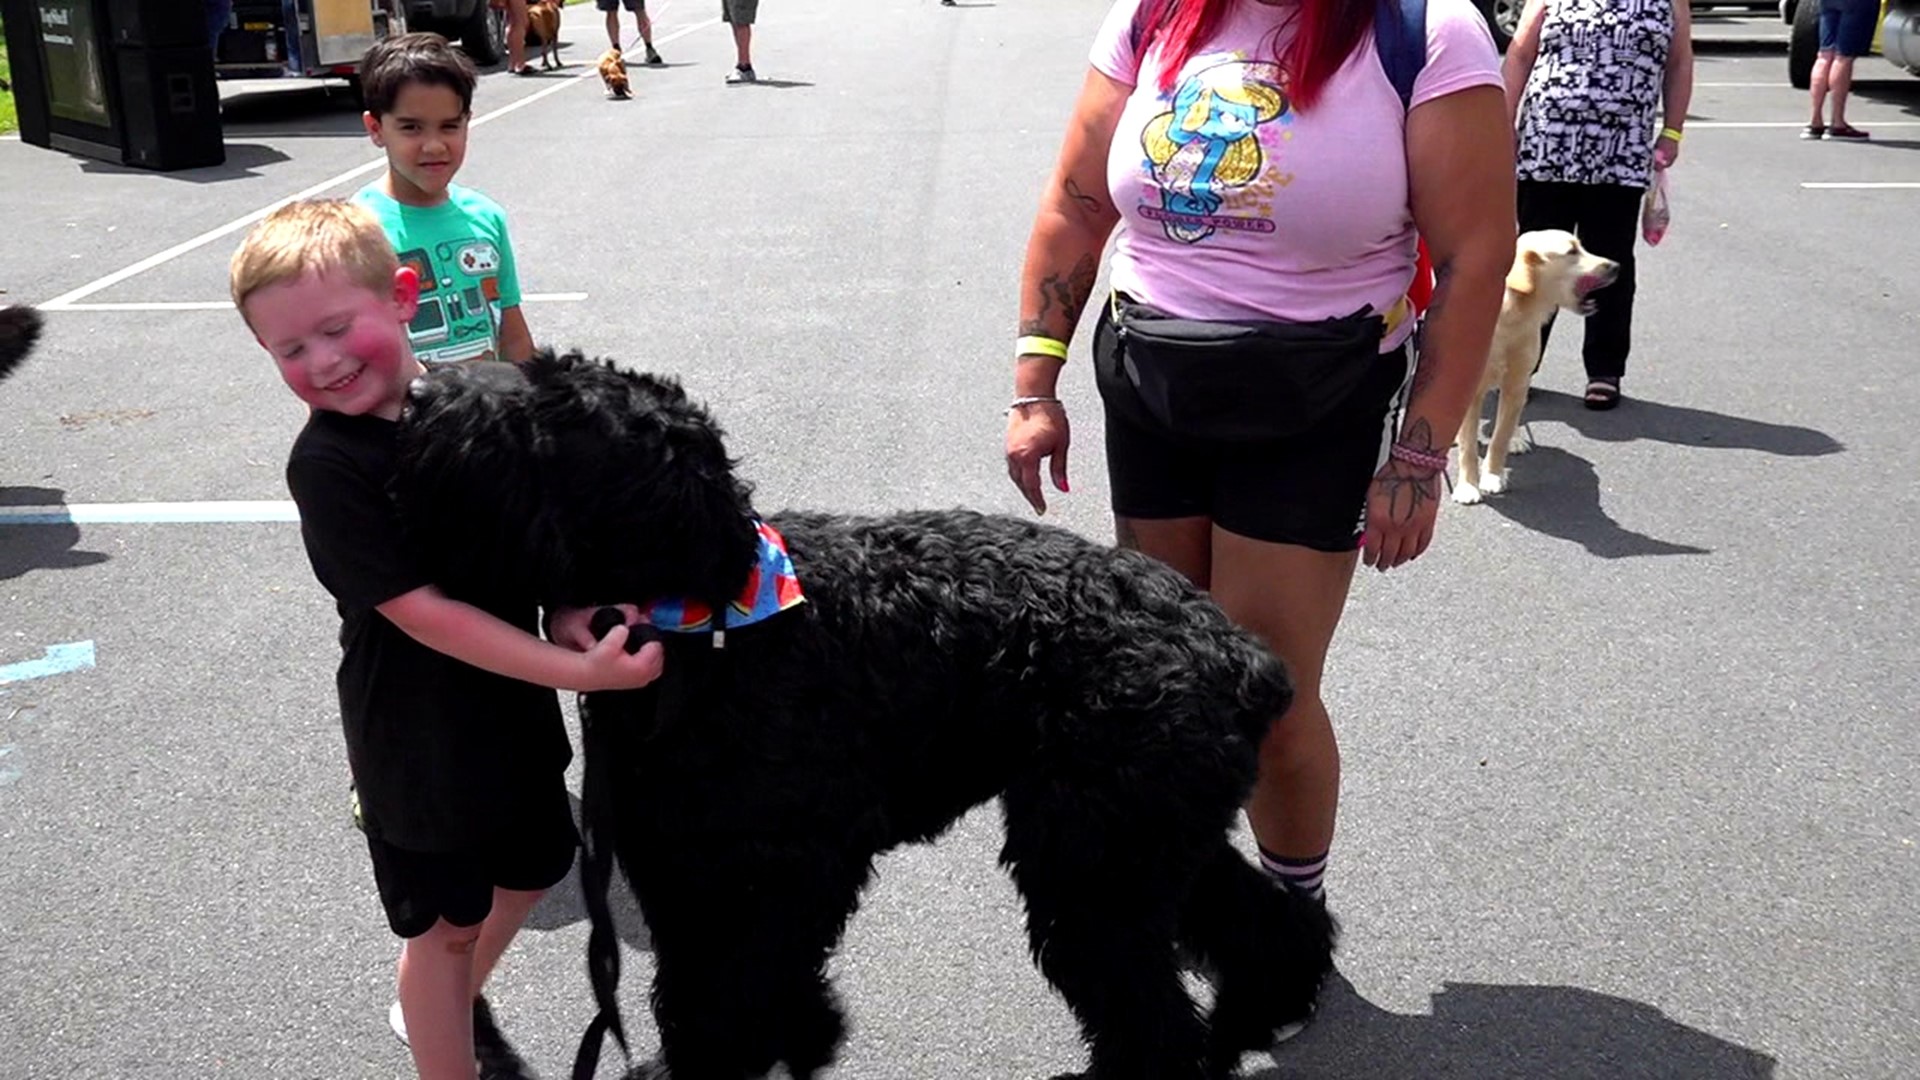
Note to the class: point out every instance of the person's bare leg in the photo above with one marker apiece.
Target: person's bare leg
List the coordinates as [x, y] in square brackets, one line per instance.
[516, 34]
[1292, 597]
[1822, 69]
[613, 28]
[509, 914]
[436, 999]
[743, 46]
[1186, 544]
[1840, 83]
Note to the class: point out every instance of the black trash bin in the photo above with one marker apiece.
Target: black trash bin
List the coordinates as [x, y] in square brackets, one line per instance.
[128, 81]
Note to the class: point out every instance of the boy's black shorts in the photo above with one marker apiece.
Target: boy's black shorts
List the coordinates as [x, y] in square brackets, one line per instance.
[418, 888]
[1309, 490]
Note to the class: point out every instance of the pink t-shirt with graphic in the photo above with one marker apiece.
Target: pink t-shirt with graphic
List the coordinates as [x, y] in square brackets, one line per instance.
[1235, 205]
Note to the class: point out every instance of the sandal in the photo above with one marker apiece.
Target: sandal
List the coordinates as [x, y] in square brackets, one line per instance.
[1602, 394]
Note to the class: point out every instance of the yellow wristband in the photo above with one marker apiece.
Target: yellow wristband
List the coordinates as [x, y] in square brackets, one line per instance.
[1034, 345]
[1671, 133]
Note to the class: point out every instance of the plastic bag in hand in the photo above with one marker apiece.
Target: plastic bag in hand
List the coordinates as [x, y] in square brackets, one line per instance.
[1655, 210]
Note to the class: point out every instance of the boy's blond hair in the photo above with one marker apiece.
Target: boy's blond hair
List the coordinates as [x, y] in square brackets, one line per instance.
[313, 236]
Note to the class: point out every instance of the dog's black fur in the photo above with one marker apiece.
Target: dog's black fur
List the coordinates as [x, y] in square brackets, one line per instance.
[942, 659]
[19, 329]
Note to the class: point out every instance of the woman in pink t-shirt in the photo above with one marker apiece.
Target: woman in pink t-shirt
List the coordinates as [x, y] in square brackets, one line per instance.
[1263, 171]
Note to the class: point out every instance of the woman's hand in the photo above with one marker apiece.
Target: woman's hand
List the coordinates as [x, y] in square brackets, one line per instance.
[1037, 432]
[1401, 507]
[1665, 152]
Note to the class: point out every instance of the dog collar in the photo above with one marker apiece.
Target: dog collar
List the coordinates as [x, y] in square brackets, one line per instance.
[772, 588]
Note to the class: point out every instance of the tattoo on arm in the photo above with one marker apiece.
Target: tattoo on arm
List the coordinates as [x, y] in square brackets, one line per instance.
[1062, 299]
[1088, 205]
[1425, 365]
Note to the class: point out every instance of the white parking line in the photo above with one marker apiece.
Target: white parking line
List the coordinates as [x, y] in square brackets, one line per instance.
[227, 305]
[149, 513]
[67, 299]
[1695, 125]
[1864, 185]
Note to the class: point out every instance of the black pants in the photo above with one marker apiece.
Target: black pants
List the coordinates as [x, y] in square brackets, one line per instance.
[1606, 218]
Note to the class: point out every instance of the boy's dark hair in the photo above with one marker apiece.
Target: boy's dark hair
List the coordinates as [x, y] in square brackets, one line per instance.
[406, 59]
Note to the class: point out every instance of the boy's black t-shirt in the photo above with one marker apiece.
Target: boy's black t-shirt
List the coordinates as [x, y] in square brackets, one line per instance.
[438, 747]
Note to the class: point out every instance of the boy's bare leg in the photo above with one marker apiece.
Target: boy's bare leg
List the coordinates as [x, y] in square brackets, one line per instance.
[436, 998]
[743, 46]
[509, 914]
[613, 28]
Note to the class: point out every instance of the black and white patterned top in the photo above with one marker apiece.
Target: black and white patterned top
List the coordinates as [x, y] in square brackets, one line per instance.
[1593, 99]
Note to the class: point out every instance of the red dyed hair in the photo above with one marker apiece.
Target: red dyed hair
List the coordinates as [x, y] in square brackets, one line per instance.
[1327, 33]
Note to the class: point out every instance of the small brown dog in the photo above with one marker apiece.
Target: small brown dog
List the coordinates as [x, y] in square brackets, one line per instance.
[613, 72]
[543, 25]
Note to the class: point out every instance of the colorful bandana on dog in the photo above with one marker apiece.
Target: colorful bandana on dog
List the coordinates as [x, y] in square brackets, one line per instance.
[771, 589]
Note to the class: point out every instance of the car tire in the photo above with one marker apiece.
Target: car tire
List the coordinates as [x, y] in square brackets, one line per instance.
[485, 35]
[1503, 18]
[1804, 43]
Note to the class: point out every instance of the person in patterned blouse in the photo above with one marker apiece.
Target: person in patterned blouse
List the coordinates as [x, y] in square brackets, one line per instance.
[1588, 82]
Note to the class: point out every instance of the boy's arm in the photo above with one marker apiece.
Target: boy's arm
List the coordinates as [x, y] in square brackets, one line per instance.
[516, 341]
[473, 636]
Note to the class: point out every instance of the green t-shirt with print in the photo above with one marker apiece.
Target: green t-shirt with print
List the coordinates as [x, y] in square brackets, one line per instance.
[467, 275]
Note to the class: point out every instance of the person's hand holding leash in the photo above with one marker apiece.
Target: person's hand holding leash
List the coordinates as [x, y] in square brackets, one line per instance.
[572, 626]
[609, 666]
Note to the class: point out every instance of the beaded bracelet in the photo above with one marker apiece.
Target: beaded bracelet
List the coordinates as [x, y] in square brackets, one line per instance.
[1422, 458]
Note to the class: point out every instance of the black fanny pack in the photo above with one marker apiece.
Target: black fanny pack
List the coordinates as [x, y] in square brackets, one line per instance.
[1242, 381]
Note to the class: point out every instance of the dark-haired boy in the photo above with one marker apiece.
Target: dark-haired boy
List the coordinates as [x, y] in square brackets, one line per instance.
[419, 96]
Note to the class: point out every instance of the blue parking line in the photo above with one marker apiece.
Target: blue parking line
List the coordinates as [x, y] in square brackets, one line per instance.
[71, 656]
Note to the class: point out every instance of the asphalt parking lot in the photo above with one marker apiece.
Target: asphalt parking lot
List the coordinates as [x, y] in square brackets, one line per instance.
[1631, 782]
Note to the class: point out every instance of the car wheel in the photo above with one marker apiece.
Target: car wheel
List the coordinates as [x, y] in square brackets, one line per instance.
[485, 38]
[1503, 19]
[1804, 44]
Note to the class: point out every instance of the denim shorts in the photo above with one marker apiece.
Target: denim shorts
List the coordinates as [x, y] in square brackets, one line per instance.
[1846, 26]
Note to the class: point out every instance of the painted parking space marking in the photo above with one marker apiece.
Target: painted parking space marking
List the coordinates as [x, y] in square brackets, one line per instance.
[152, 513]
[227, 305]
[59, 659]
[1862, 185]
[1693, 125]
[64, 300]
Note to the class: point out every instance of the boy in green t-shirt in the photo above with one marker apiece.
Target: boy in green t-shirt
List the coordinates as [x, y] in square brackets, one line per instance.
[419, 95]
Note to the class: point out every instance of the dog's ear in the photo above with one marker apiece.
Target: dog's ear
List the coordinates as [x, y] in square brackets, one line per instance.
[1520, 277]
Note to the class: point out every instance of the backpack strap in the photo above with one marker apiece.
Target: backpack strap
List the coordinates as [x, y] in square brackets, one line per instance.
[1400, 36]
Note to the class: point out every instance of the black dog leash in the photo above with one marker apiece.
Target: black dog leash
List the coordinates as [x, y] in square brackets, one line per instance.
[596, 866]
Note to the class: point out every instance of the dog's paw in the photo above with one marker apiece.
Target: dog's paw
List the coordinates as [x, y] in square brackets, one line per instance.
[1493, 483]
[1466, 494]
[1520, 443]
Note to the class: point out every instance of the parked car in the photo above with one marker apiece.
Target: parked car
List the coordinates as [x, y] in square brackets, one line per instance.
[1897, 37]
[1503, 16]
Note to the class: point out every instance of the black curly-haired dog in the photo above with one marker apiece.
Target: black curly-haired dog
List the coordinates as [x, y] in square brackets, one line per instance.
[19, 329]
[940, 659]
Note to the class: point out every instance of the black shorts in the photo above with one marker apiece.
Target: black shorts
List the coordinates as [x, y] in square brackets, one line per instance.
[418, 888]
[1308, 489]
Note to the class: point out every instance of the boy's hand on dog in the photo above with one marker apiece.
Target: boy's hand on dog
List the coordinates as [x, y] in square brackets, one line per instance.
[609, 666]
[1035, 432]
[575, 627]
